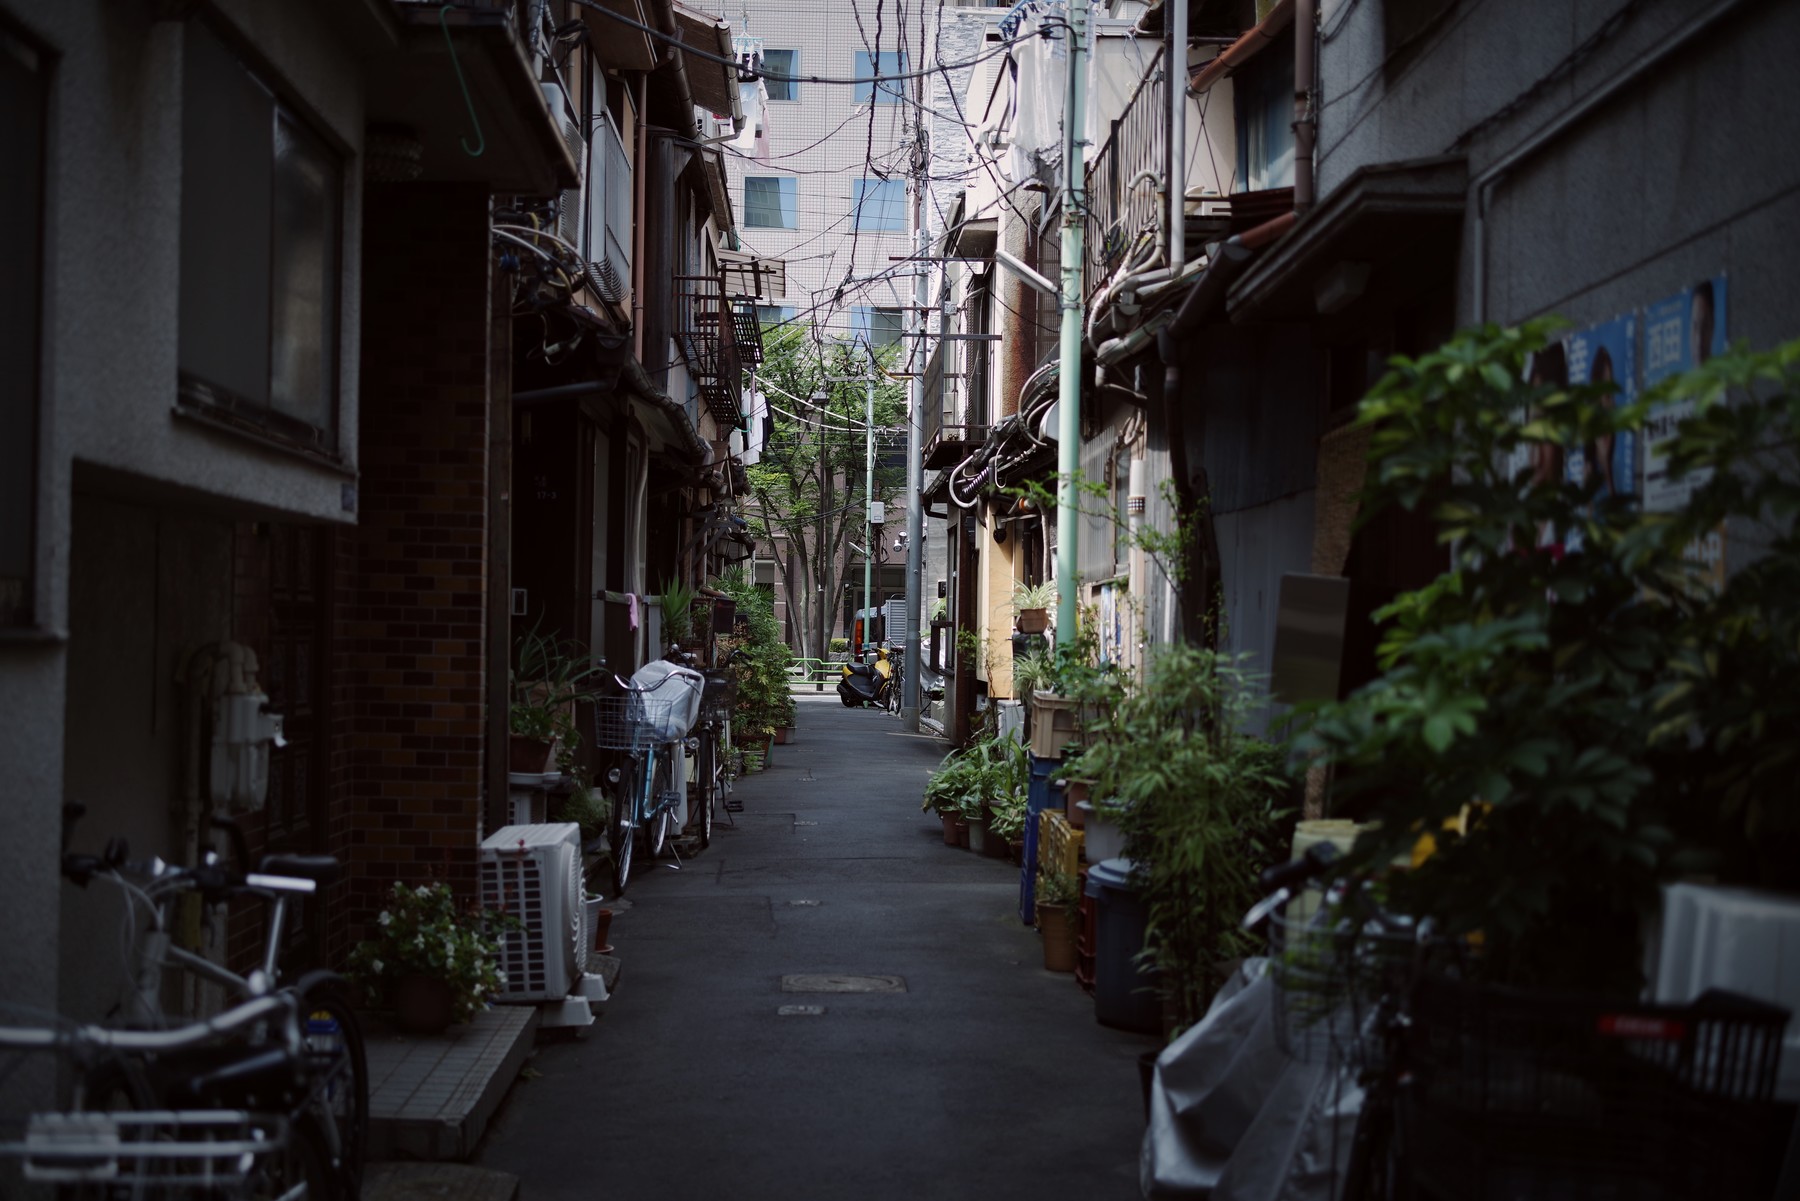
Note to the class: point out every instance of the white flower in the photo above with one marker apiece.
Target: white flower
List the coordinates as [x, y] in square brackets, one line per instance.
[385, 917]
[375, 966]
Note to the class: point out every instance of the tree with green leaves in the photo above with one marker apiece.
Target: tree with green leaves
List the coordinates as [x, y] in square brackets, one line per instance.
[1600, 720]
[809, 485]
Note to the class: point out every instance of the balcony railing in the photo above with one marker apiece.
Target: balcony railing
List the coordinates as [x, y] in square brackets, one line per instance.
[1122, 182]
[706, 332]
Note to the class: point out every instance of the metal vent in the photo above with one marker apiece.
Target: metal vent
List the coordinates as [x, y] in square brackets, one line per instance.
[606, 278]
[514, 885]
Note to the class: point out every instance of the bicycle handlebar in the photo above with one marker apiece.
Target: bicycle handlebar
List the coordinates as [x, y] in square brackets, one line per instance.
[1314, 863]
[180, 1038]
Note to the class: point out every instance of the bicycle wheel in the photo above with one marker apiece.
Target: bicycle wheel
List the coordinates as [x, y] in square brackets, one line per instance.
[662, 805]
[621, 838]
[340, 1072]
[707, 766]
[304, 1161]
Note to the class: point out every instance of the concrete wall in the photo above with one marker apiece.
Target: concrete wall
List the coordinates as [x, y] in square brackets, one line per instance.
[1682, 174]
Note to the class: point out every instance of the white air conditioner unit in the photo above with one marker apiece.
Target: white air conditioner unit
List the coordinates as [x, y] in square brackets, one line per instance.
[533, 874]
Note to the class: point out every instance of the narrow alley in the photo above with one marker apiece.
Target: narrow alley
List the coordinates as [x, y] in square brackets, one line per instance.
[983, 1076]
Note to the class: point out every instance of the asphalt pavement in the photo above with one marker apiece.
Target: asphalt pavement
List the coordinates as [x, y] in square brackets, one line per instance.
[964, 1071]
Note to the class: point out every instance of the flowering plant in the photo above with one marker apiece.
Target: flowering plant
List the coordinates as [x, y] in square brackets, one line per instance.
[422, 933]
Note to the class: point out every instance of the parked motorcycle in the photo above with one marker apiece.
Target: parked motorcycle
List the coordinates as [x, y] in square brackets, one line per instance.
[867, 683]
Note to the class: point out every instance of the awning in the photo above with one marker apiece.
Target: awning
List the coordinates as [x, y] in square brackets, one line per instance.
[713, 85]
[976, 239]
[616, 44]
[1389, 228]
[414, 90]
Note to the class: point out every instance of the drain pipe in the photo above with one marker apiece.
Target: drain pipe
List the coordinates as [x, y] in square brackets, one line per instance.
[1496, 173]
[1175, 68]
[1306, 126]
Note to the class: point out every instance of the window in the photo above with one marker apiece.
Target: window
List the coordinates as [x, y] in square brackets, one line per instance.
[261, 236]
[877, 326]
[22, 104]
[781, 62]
[879, 204]
[888, 62]
[770, 202]
[774, 314]
[1265, 113]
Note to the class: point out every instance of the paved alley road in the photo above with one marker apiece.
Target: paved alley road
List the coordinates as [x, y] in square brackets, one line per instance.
[986, 1078]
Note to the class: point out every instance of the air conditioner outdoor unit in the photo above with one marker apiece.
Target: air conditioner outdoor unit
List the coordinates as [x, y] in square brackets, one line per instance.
[533, 874]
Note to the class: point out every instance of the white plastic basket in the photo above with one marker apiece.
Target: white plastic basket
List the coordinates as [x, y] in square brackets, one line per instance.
[153, 1153]
[1330, 980]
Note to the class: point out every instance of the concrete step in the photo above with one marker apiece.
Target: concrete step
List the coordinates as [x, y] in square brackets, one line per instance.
[437, 1182]
[432, 1096]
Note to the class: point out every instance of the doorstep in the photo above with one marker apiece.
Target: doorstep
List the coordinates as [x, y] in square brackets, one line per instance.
[437, 1182]
[432, 1096]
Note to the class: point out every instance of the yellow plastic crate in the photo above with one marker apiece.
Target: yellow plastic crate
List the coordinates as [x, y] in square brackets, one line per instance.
[1059, 844]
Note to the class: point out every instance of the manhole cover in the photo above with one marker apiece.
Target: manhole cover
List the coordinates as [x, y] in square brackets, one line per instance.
[826, 983]
[800, 1011]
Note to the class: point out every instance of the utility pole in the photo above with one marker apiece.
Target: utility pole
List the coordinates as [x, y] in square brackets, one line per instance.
[912, 661]
[869, 500]
[1068, 393]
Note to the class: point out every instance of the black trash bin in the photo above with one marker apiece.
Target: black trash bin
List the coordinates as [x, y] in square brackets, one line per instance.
[1124, 994]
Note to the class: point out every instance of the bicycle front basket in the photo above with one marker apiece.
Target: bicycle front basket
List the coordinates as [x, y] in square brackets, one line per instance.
[150, 1153]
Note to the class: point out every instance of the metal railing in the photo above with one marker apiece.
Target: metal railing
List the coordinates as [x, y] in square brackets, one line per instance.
[706, 332]
[1123, 194]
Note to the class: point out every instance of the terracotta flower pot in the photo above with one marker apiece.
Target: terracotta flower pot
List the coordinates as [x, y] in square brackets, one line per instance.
[528, 756]
[1033, 621]
[602, 927]
[1058, 929]
[422, 1004]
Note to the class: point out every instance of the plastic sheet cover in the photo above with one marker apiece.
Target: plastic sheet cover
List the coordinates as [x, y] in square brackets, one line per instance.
[1232, 1118]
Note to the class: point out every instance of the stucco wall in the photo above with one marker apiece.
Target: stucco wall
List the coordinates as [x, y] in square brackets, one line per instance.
[110, 303]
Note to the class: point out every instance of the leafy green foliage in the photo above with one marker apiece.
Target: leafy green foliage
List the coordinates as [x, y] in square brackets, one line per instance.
[1199, 802]
[810, 484]
[763, 701]
[677, 604]
[1610, 718]
[1057, 888]
[991, 771]
[422, 933]
[549, 678]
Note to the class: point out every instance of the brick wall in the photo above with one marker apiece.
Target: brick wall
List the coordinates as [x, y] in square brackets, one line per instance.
[411, 578]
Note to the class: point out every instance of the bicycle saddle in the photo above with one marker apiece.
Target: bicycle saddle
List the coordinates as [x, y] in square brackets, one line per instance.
[320, 869]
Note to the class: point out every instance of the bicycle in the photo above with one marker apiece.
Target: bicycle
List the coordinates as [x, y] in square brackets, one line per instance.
[712, 770]
[1474, 1090]
[267, 1098]
[647, 718]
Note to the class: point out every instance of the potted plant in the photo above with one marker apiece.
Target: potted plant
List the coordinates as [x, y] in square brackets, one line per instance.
[1199, 807]
[431, 963]
[1031, 605]
[677, 603]
[548, 679]
[1058, 908]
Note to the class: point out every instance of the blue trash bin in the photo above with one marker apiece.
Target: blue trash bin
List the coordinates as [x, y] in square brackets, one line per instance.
[1124, 995]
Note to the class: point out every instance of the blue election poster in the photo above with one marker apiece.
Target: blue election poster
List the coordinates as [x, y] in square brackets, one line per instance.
[1680, 333]
[1605, 355]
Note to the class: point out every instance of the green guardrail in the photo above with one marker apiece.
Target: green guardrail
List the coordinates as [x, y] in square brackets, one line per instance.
[813, 675]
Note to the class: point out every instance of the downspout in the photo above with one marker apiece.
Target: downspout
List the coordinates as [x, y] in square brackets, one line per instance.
[640, 190]
[1175, 68]
[1483, 185]
[1305, 125]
